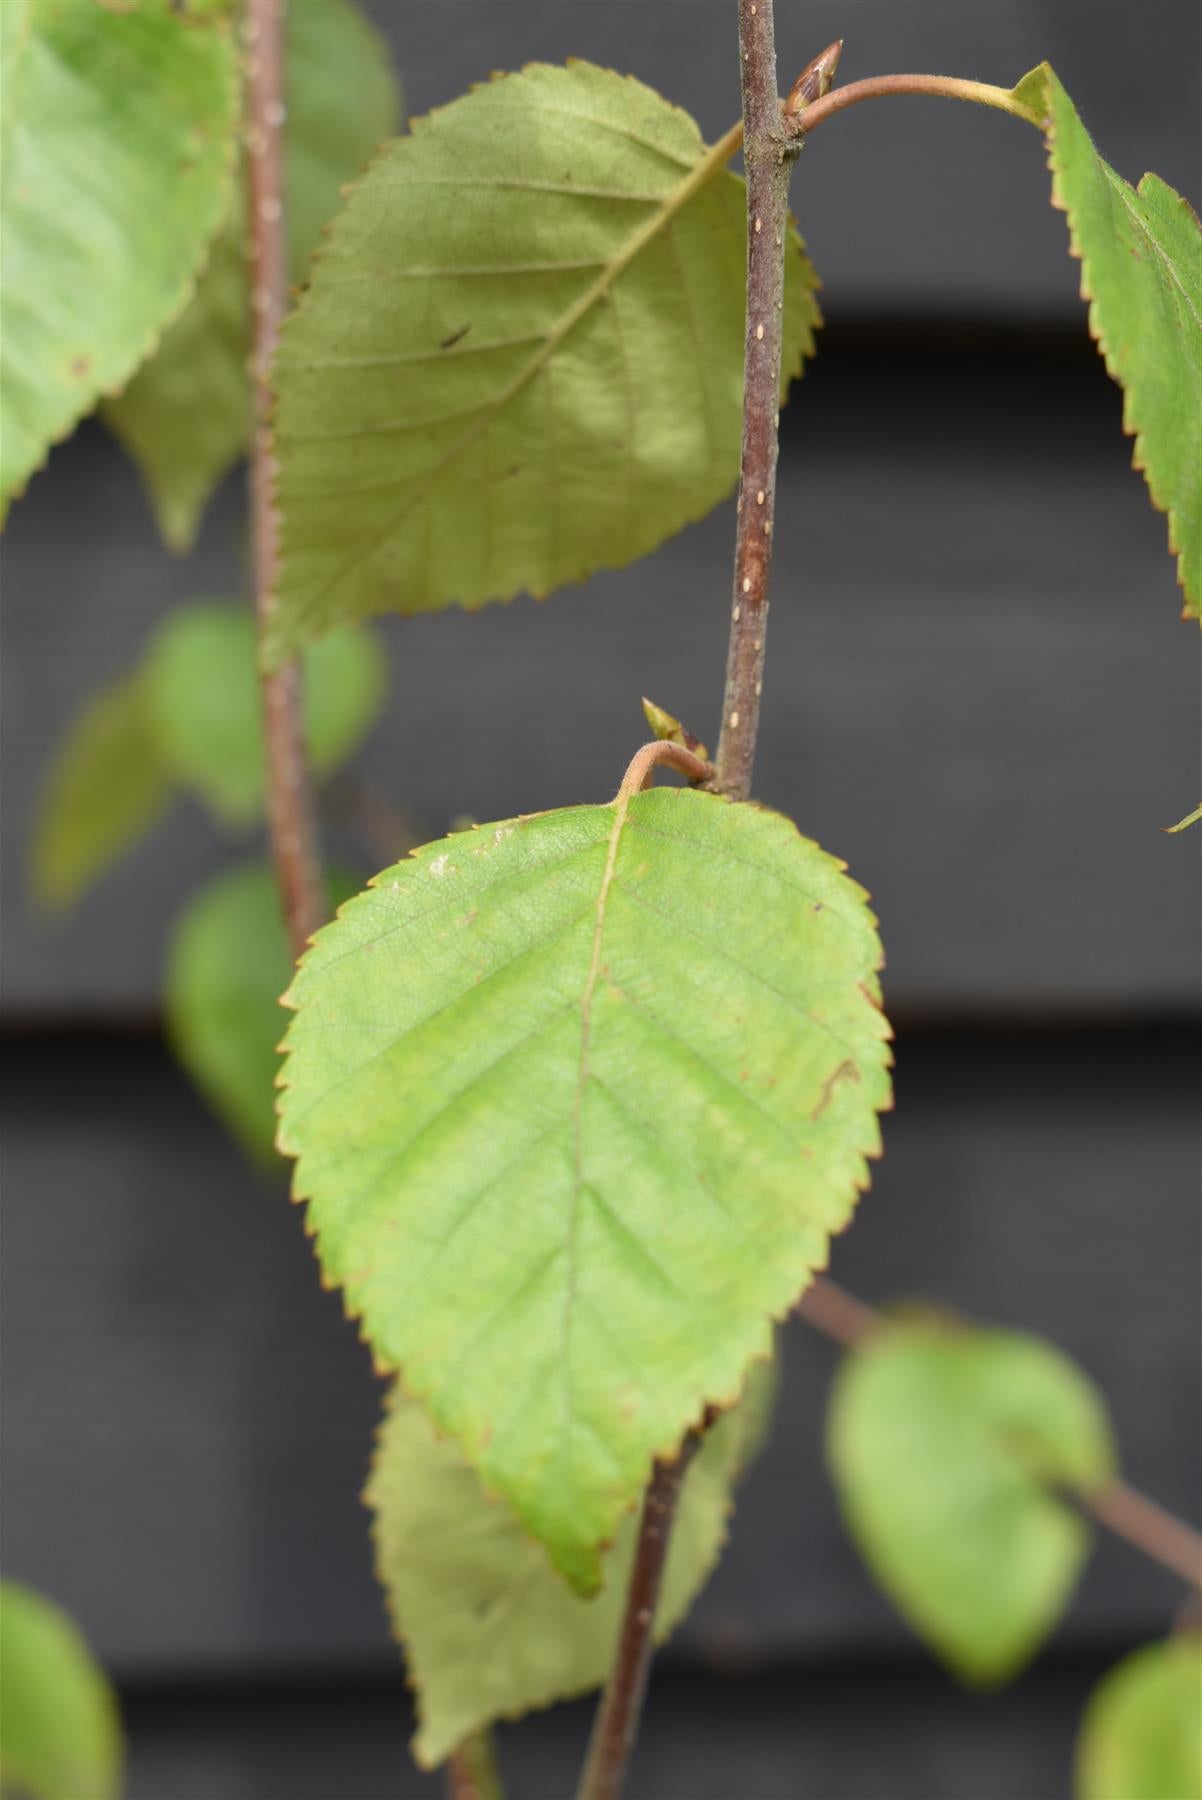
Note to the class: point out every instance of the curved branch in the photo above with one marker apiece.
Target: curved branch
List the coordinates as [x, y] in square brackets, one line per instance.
[877, 87]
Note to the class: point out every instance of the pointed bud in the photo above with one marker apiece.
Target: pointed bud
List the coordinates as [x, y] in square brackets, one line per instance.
[816, 79]
[670, 731]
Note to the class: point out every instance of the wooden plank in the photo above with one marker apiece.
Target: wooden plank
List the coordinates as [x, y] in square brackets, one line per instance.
[187, 1417]
[979, 691]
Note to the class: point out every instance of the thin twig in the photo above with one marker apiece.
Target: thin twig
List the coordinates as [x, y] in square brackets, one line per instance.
[289, 800]
[617, 1717]
[1141, 1522]
[768, 153]
[1145, 1524]
[472, 1772]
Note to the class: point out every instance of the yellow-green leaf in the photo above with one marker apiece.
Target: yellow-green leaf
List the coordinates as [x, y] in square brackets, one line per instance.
[490, 1631]
[118, 148]
[106, 787]
[227, 965]
[60, 1734]
[578, 1100]
[519, 359]
[946, 1446]
[206, 708]
[1141, 272]
[185, 416]
[1142, 1734]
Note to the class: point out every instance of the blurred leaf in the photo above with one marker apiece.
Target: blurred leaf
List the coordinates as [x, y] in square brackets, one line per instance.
[489, 1629]
[519, 359]
[1142, 1734]
[60, 1734]
[1141, 271]
[569, 1147]
[185, 418]
[205, 706]
[945, 1444]
[106, 787]
[227, 965]
[118, 149]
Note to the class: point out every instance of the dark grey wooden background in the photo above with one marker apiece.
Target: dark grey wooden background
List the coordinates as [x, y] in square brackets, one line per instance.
[979, 693]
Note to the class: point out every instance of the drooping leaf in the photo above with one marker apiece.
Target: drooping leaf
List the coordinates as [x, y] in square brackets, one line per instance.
[578, 1100]
[60, 1734]
[118, 149]
[519, 359]
[1141, 272]
[205, 706]
[185, 417]
[490, 1631]
[1142, 1734]
[227, 965]
[106, 786]
[946, 1445]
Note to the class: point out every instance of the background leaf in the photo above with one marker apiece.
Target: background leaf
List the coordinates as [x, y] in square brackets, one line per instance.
[227, 966]
[118, 147]
[60, 1735]
[1142, 1734]
[490, 1631]
[519, 359]
[1141, 271]
[185, 417]
[204, 703]
[106, 787]
[944, 1443]
[571, 1141]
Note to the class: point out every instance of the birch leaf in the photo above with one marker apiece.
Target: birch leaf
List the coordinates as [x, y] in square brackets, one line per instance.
[106, 787]
[1142, 1734]
[60, 1734]
[118, 146]
[490, 1631]
[519, 358]
[946, 1446]
[572, 1139]
[1141, 272]
[185, 417]
[205, 705]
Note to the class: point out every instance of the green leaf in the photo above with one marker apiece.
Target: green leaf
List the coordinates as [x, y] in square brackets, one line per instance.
[205, 706]
[519, 359]
[1142, 1734]
[227, 965]
[944, 1443]
[118, 149]
[490, 1630]
[106, 787]
[60, 1734]
[185, 417]
[1141, 271]
[573, 1135]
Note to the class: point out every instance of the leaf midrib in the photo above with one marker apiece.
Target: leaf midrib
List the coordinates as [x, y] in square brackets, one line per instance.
[715, 158]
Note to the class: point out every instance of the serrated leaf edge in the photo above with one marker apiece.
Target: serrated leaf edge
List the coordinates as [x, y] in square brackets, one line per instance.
[221, 27]
[280, 643]
[668, 1450]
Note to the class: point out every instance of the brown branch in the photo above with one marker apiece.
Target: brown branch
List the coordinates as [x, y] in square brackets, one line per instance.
[1148, 1527]
[769, 152]
[645, 762]
[617, 1718]
[289, 800]
[1141, 1522]
[472, 1769]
